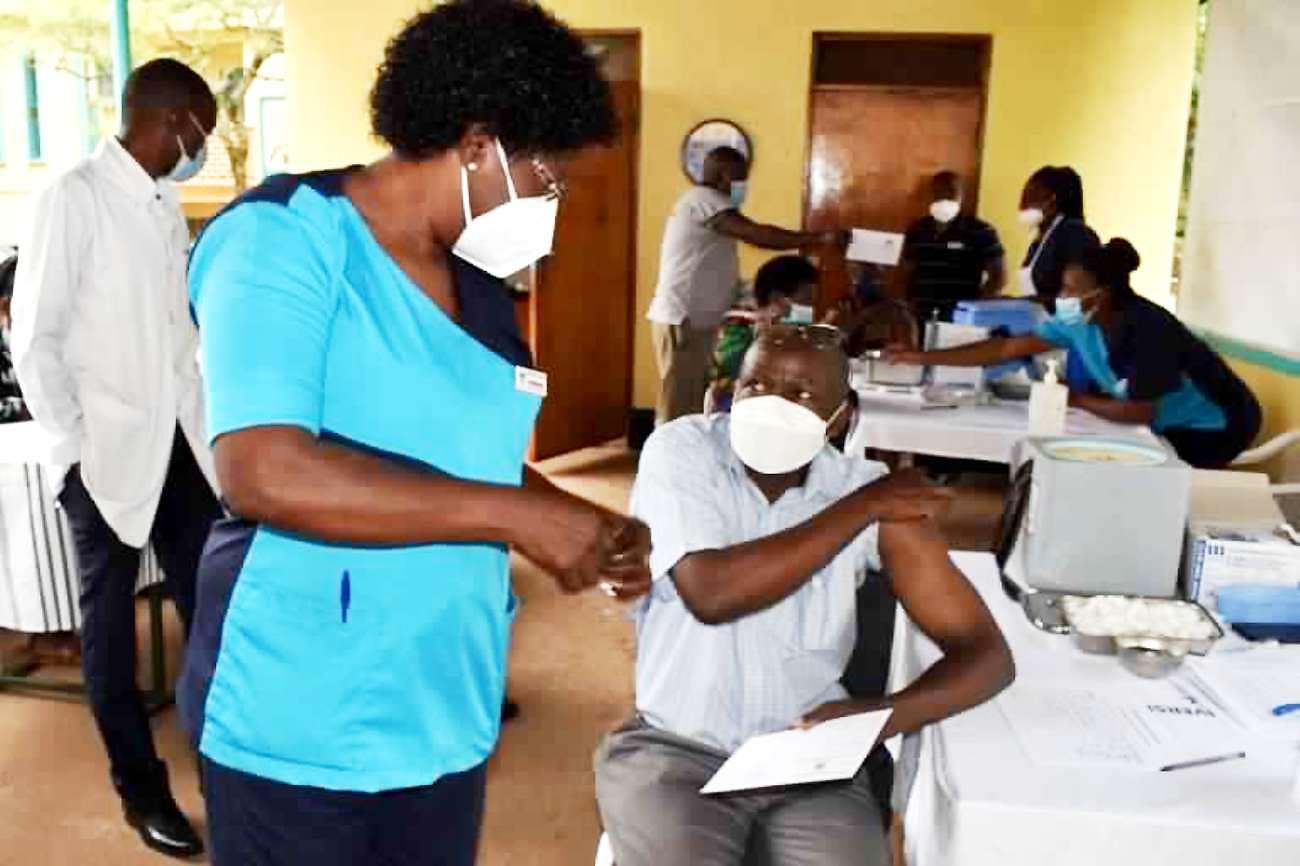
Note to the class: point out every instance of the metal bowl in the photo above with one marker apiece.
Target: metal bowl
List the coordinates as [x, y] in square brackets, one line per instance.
[1149, 658]
[1008, 390]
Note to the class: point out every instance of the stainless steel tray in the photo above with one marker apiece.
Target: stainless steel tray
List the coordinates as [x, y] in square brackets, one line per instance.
[1046, 611]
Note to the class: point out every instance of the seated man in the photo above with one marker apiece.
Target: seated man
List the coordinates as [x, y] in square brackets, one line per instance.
[762, 535]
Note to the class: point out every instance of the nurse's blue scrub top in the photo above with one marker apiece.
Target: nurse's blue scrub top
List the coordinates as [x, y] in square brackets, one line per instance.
[336, 666]
[1149, 355]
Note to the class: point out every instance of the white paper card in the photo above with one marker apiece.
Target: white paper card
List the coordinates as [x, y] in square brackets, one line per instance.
[879, 248]
[830, 752]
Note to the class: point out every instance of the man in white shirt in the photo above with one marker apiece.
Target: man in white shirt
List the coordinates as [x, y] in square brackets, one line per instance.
[699, 273]
[763, 534]
[105, 351]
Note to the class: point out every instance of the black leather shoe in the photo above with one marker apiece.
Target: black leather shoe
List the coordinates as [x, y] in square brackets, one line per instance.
[153, 812]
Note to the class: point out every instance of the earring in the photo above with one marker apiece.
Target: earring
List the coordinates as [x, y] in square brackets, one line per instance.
[473, 166]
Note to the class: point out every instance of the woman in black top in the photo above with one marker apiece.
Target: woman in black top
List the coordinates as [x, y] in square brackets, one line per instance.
[1052, 205]
[1130, 361]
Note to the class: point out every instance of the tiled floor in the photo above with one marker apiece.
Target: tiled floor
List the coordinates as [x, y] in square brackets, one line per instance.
[571, 672]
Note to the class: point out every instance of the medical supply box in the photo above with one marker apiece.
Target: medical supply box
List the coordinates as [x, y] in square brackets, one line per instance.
[1098, 515]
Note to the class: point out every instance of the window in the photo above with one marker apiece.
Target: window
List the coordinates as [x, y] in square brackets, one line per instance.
[33, 109]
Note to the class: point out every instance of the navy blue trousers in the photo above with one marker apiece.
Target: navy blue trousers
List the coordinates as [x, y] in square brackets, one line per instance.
[254, 821]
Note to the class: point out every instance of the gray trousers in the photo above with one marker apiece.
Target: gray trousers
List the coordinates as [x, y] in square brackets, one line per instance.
[647, 787]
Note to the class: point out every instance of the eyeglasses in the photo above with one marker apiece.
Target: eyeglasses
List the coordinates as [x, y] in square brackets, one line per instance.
[818, 336]
[554, 188]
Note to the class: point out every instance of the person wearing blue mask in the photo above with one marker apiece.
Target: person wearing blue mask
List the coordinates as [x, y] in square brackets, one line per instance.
[1130, 361]
[699, 276]
[370, 402]
[784, 289]
[104, 350]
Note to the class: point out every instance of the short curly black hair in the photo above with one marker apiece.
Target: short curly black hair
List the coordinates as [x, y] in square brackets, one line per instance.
[507, 64]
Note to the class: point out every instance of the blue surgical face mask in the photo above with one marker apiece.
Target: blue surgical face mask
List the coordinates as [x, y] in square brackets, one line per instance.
[799, 314]
[739, 189]
[1069, 311]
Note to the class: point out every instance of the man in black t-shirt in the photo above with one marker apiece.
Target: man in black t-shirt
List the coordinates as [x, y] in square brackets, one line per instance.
[950, 256]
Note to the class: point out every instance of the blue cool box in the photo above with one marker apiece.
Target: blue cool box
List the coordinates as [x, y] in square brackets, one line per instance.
[1261, 612]
[1017, 317]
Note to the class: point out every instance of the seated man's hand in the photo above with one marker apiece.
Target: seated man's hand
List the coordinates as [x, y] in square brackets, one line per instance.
[624, 562]
[906, 495]
[839, 709]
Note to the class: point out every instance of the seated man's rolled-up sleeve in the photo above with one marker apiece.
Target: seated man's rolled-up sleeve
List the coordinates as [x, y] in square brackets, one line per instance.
[678, 493]
[264, 299]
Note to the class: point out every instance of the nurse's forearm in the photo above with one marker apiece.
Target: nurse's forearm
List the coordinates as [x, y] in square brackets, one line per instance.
[1119, 411]
[285, 477]
[982, 353]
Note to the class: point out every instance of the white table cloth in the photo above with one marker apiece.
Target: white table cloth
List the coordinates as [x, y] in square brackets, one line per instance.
[971, 797]
[39, 583]
[896, 422]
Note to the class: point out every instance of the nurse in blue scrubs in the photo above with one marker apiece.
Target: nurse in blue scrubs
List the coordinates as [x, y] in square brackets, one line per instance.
[1130, 361]
[370, 400]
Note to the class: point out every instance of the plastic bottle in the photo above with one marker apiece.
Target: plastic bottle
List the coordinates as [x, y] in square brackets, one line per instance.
[1048, 402]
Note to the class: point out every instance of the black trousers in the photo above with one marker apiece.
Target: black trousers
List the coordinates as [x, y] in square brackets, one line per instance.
[109, 570]
[254, 821]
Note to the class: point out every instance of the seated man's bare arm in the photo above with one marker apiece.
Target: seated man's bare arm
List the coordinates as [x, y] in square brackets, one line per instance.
[723, 585]
[976, 662]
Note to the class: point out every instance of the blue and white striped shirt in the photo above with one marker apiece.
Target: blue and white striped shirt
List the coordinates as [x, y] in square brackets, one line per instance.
[722, 684]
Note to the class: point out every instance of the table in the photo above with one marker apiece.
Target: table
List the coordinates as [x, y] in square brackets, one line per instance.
[897, 422]
[38, 572]
[971, 797]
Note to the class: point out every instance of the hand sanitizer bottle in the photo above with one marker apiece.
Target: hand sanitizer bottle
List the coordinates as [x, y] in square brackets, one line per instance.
[1048, 401]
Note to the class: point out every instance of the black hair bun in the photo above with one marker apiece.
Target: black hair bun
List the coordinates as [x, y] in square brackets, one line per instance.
[1124, 258]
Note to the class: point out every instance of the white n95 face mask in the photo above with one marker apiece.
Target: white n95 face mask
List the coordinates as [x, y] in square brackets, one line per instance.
[945, 210]
[773, 435]
[511, 236]
[1031, 217]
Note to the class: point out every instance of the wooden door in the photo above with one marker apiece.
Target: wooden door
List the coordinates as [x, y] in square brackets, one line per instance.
[584, 296]
[873, 150]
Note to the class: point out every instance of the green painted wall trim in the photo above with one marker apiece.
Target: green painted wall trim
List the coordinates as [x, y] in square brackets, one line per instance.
[1251, 354]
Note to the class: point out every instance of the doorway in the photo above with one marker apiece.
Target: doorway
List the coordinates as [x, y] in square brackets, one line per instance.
[579, 313]
[886, 112]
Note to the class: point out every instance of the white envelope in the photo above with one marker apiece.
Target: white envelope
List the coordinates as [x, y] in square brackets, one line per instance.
[879, 248]
[830, 752]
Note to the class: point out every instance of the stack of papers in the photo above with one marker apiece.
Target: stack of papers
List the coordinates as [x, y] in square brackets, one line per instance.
[833, 751]
[1260, 688]
[1134, 724]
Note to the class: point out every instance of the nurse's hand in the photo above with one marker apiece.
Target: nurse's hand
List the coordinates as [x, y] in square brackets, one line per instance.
[578, 542]
[625, 569]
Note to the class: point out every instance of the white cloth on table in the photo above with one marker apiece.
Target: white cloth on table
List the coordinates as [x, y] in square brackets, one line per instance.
[897, 422]
[39, 583]
[103, 342]
[971, 797]
[722, 684]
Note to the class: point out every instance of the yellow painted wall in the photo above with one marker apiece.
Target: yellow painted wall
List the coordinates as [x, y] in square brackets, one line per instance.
[1103, 85]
